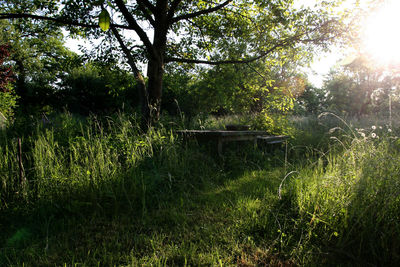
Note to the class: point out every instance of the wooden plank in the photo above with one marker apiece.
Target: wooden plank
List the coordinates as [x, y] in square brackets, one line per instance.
[229, 138]
[221, 132]
[276, 142]
[243, 133]
[217, 133]
[273, 138]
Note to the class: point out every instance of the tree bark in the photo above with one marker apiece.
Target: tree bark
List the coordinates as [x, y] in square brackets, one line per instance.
[155, 67]
[155, 74]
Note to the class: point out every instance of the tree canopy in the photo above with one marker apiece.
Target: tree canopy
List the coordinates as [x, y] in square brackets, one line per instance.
[360, 88]
[194, 32]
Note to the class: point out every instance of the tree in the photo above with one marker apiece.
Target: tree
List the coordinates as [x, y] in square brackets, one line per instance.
[267, 85]
[96, 88]
[39, 60]
[310, 101]
[194, 32]
[361, 87]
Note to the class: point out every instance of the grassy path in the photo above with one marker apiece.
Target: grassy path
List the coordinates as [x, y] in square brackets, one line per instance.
[222, 223]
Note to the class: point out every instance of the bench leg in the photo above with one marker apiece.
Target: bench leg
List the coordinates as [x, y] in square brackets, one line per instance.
[220, 147]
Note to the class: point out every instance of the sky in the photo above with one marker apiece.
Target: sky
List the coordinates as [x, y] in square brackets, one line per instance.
[319, 68]
[324, 62]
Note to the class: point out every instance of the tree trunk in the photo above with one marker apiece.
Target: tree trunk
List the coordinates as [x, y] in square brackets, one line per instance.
[151, 96]
[155, 73]
[155, 67]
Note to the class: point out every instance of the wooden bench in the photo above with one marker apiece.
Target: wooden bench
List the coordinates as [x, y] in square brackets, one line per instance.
[273, 139]
[222, 136]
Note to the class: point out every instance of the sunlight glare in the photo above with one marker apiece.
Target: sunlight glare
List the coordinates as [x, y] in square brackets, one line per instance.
[381, 38]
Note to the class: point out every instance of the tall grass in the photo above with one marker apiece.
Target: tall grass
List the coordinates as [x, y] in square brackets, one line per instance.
[101, 192]
[10, 182]
[111, 158]
[349, 199]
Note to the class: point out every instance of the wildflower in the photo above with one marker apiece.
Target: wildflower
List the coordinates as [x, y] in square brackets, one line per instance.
[373, 135]
[362, 134]
[373, 127]
[380, 127]
[389, 130]
[332, 130]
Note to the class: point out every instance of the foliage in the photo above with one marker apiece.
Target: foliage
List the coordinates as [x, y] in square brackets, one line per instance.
[39, 60]
[8, 102]
[6, 75]
[178, 96]
[7, 96]
[233, 89]
[50, 77]
[360, 88]
[97, 88]
[311, 101]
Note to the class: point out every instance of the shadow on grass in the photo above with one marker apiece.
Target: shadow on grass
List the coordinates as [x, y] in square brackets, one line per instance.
[174, 208]
[372, 234]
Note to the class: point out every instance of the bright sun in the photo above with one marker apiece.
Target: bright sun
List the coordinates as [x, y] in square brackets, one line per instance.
[381, 38]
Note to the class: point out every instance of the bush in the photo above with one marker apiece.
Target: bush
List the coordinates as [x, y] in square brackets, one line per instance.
[8, 102]
[98, 89]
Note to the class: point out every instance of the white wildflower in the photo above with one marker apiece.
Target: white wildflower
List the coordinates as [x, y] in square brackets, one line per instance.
[389, 130]
[373, 127]
[332, 130]
[373, 135]
[362, 134]
[380, 127]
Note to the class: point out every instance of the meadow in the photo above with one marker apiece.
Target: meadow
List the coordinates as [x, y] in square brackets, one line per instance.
[98, 192]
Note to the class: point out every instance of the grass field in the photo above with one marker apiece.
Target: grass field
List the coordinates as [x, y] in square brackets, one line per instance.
[98, 192]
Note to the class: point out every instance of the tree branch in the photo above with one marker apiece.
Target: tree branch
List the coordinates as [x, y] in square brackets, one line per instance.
[230, 61]
[207, 62]
[135, 26]
[201, 12]
[201, 33]
[125, 49]
[57, 20]
[144, 9]
[149, 5]
[144, 98]
[172, 9]
[283, 43]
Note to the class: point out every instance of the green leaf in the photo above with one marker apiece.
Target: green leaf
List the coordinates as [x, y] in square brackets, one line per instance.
[104, 20]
